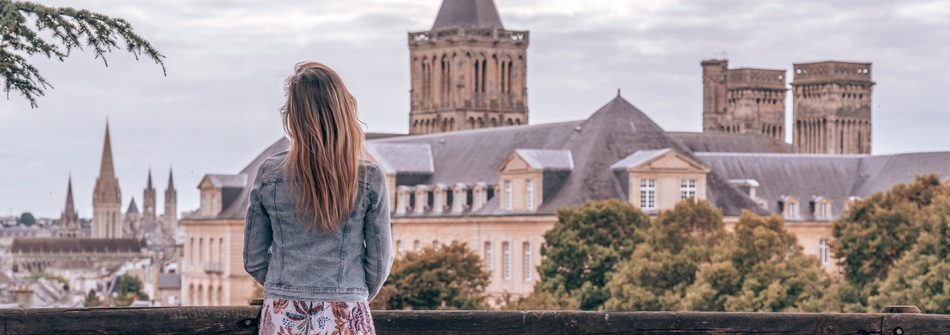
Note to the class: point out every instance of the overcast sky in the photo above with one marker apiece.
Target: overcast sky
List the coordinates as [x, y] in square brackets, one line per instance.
[217, 107]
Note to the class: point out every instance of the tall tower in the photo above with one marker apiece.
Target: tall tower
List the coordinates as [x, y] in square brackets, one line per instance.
[107, 198]
[744, 100]
[148, 201]
[170, 224]
[69, 220]
[832, 107]
[467, 72]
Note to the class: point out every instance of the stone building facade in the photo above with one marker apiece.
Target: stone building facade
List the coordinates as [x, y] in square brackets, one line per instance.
[468, 71]
[832, 107]
[743, 101]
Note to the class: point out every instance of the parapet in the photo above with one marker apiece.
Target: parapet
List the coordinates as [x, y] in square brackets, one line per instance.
[832, 71]
[755, 78]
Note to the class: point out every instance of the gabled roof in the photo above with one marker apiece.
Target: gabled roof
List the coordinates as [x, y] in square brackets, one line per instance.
[411, 158]
[548, 160]
[468, 13]
[638, 158]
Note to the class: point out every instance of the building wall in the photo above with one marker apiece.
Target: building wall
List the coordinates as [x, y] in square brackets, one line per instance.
[516, 231]
[213, 264]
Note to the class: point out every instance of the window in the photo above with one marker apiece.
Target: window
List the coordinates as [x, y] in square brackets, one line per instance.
[527, 261]
[529, 194]
[435, 245]
[648, 193]
[824, 252]
[508, 200]
[792, 210]
[488, 257]
[824, 210]
[687, 189]
[399, 247]
[416, 246]
[507, 271]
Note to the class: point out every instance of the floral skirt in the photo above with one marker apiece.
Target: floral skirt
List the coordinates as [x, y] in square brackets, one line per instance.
[282, 316]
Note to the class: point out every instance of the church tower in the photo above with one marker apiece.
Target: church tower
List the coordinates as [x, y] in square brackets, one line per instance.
[148, 201]
[467, 72]
[832, 107]
[107, 198]
[133, 221]
[170, 224]
[744, 100]
[69, 220]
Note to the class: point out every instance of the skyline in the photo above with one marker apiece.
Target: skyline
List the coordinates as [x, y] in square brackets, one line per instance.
[217, 108]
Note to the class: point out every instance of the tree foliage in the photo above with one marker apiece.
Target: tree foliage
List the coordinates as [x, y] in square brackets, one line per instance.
[27, 219]
[587, 244]
[761, 269]
[22, 29]
[92, 300]
[659, 271]
[452, 277]
[877, 232]
[128, 290]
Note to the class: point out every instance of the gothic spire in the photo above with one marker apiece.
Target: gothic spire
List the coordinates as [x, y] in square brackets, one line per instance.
[70, 207]
[149, 187]
[106, 169]
[171, 183]
[132, 207]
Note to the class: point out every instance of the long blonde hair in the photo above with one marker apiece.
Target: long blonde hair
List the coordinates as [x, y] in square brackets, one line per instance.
[326, 144]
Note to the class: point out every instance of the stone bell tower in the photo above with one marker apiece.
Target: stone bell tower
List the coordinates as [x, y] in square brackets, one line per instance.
[743, 100]
[468, 71]
[107, 197]
[832, 107]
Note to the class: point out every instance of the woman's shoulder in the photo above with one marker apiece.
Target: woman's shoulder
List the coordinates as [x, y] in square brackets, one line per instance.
[272, 165]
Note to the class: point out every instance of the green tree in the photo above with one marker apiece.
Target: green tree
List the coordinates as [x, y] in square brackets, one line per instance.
[67, 29]
[656, 276]
[761, 269]
[27, 219]
[587, 244]
[92, 300]
[128, 290]
[452, 277]
[922, 276]
[877, 232]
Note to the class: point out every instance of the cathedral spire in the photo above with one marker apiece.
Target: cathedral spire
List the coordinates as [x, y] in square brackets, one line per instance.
[148, 201]
[468, 13]
[70, 207]
[149, 186]
[171, 183]
[69, 221]
[106, 169]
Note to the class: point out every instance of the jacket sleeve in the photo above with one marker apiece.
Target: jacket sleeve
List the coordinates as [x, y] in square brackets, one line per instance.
[258, 234]
[378, 235]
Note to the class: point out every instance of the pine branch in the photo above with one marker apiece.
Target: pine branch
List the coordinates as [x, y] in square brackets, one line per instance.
[70, 29]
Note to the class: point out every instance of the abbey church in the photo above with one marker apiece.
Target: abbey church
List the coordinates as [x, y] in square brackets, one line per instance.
[115, 239]
[472, 169]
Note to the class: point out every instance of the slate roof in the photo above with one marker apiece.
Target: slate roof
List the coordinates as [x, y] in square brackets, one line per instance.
[720, 142]
[169, 281]
[132, 207]
[614, 132]
[468, 13]
[413, 158]
[836, 177]
[549, 160]
[76, 245]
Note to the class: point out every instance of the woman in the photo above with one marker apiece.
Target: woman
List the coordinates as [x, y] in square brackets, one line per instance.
[317, 235]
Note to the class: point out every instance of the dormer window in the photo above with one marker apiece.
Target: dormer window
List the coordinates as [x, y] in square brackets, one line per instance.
[459, 198]
[650, 178]
[789, 206]
[404, 199]
[528, 173]
[480, 195]
[439, 198]
[421, 198]
[821, 208]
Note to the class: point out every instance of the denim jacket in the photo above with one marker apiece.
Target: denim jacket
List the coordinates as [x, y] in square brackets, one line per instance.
[293, 262]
